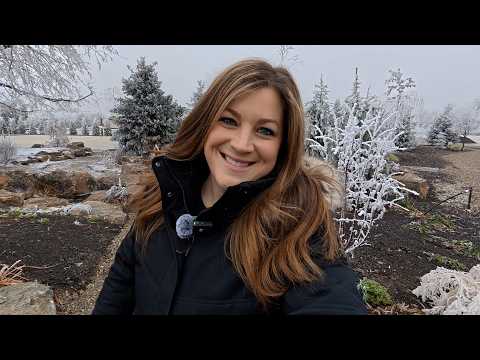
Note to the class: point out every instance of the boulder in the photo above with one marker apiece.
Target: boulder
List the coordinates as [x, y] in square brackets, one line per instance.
[65, 185]
[57, 157]
[45, 202]
[4, 181]
[43, 158]
[415, 183]
[106, 212]
[68, 154]
[133, 174]
[79, 152]
[19, 181]
[35, 146]
[75, 145]
[50, 153]
[83, 182]
[97, 196]
[106, 182]
[8, 198]
[30, 298]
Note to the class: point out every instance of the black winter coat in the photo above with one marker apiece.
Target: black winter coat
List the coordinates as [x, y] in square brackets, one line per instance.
[195, 277]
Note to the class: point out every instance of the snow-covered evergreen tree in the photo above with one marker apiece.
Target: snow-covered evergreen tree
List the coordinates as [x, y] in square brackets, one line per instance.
[145, 116]
[397, 85]
[318, 109]
[107, 131]
[197, 94]
[73, 129]
[442, 132]
[354, 97]
[339, 112]
[96, 130]
[8, 120]
[318, 114]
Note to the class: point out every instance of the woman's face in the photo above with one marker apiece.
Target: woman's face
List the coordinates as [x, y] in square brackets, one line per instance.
[243, 144]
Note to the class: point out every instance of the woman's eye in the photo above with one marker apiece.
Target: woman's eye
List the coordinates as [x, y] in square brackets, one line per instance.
[228, 121]
[266, 131]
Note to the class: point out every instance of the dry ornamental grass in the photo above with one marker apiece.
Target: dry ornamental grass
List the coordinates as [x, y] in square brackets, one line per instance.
[10, 275]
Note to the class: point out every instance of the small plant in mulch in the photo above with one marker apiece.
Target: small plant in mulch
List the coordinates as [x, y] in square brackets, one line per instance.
[374, 294]
[407, 203]
[463, 247]
[10, 275]
[448, 262]
[92, 219]
[435, 222]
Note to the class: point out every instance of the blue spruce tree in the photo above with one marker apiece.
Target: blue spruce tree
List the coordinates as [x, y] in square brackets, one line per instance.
[145, 115]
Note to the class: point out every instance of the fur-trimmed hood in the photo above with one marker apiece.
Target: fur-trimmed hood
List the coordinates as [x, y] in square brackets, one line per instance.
[334, 188]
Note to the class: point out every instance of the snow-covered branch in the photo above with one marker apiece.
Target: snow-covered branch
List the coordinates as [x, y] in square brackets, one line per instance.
[41, 75]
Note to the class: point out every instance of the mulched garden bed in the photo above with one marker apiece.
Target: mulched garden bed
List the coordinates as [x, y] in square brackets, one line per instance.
[56, 252]
[406, 246]
[401, 252]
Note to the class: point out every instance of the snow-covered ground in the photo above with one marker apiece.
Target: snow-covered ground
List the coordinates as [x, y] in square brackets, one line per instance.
[93, 142]
[25, 152]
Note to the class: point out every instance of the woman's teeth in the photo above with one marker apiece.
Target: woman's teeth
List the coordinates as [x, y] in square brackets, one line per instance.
[235, 162]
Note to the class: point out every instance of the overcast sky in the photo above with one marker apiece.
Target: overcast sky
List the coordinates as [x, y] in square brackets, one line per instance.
[443, 73]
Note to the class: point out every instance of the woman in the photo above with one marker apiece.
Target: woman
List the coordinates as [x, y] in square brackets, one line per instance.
[234, 220]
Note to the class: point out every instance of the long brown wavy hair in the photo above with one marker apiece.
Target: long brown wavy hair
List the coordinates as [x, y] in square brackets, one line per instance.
[268, 244]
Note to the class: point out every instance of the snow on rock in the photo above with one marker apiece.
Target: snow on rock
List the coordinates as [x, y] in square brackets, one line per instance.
[78, 209]
[451, 292]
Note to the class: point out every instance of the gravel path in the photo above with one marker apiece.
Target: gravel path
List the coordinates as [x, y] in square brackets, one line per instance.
[464, 167]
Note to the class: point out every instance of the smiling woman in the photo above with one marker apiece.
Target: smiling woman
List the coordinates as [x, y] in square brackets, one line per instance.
[243, 144]
[234, 220]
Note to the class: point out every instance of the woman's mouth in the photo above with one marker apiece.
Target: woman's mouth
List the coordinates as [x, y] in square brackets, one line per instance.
[236, 162]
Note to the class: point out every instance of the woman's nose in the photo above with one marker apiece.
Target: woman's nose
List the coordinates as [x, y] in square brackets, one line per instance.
[242, 141]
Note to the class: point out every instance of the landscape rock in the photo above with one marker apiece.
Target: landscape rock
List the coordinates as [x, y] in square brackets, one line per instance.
[133, 174]
[106, 182]
[97, 196]
[4, 181]
[55, 157]
[45, 202]
[8, 198]
[51, 153]
[79, 152]
[76, 145]
[107, 212]
[65, 185]
[18, 181]
[30, 298]
[415, 183]
[68, 155]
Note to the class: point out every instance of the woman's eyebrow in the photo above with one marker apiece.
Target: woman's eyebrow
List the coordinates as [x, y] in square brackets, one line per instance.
[262, 120]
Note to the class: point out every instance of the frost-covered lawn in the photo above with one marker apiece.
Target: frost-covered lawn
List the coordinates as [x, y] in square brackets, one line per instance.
[93, 142]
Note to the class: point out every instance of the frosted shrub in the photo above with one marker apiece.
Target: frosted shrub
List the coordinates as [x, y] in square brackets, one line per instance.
[8, 149]
[112, 158]
[451, 292]
[117, 193]
[359, 150]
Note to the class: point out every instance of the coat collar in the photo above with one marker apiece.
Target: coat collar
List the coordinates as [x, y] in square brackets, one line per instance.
[180, 182]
